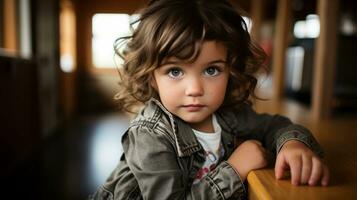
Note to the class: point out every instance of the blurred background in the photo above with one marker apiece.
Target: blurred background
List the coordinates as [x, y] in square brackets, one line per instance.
[60, 127]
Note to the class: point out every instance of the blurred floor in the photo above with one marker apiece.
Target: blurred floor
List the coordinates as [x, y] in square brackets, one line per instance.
[81, 156]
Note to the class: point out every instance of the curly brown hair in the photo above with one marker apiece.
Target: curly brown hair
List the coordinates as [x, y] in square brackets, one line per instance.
[177, 28]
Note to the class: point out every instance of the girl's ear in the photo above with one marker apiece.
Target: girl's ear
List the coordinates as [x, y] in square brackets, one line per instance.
[153, 82]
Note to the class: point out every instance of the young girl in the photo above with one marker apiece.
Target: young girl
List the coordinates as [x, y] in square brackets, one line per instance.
[191, 62]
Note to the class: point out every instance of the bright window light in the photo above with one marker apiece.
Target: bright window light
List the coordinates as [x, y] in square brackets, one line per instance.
[312, 26]
[106, 28]
[300, 29]
[308, 28]
[249, 23]
[67, 63]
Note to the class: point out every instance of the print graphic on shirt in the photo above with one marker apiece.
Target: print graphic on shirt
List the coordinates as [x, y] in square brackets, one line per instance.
[212, 147]
[211, 161]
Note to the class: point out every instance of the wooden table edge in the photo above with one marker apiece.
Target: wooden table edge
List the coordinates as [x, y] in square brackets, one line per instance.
[256, 188]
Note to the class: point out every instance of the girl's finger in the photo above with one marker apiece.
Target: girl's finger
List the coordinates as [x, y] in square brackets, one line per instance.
[280, 166]
[306, 169]
[295, 169]
[316, 171]
[326, 176]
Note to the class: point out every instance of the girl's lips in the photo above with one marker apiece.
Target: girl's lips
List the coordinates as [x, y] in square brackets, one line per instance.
[193, 107]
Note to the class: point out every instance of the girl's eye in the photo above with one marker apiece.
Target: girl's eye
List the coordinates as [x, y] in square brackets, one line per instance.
[212, 71]
[175, 73]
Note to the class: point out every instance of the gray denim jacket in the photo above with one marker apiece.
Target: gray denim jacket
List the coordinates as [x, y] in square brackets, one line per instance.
[162, 155]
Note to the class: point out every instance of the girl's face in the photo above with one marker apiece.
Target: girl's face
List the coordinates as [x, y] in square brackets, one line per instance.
[193, 91]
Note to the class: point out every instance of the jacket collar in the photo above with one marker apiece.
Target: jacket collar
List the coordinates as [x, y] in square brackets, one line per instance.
[185, 139]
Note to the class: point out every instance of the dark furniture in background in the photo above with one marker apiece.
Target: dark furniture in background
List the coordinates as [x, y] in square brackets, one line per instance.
[20, 137]
[299, 72]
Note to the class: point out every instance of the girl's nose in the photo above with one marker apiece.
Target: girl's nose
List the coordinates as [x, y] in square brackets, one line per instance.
[194, 88]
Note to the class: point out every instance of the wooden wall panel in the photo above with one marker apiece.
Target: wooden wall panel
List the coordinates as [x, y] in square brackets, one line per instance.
[325, 59]
[283, 22]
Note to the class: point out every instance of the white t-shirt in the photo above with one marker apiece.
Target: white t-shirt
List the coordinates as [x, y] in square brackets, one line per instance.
[211, 143]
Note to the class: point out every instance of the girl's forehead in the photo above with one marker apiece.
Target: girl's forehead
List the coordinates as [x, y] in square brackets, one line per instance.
[209, 51]
[192, 51]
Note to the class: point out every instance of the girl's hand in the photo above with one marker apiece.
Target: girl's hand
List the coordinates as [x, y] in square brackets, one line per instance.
[248, 156]
[305, 166]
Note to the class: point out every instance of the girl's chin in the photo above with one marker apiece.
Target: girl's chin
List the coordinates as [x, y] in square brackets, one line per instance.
[194, 119]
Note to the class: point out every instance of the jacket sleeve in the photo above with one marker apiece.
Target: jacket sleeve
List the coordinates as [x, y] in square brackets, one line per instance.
[153, 160]
[272, 130]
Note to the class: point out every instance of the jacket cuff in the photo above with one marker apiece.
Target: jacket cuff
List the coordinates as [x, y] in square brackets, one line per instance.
[218, 180]
[299, 133]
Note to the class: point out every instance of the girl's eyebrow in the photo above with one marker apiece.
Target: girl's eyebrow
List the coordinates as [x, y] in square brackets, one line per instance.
[217, 61]
[170, 62]
[209, 63]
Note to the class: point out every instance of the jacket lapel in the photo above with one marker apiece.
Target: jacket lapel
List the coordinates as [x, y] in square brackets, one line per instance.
[185, 139]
